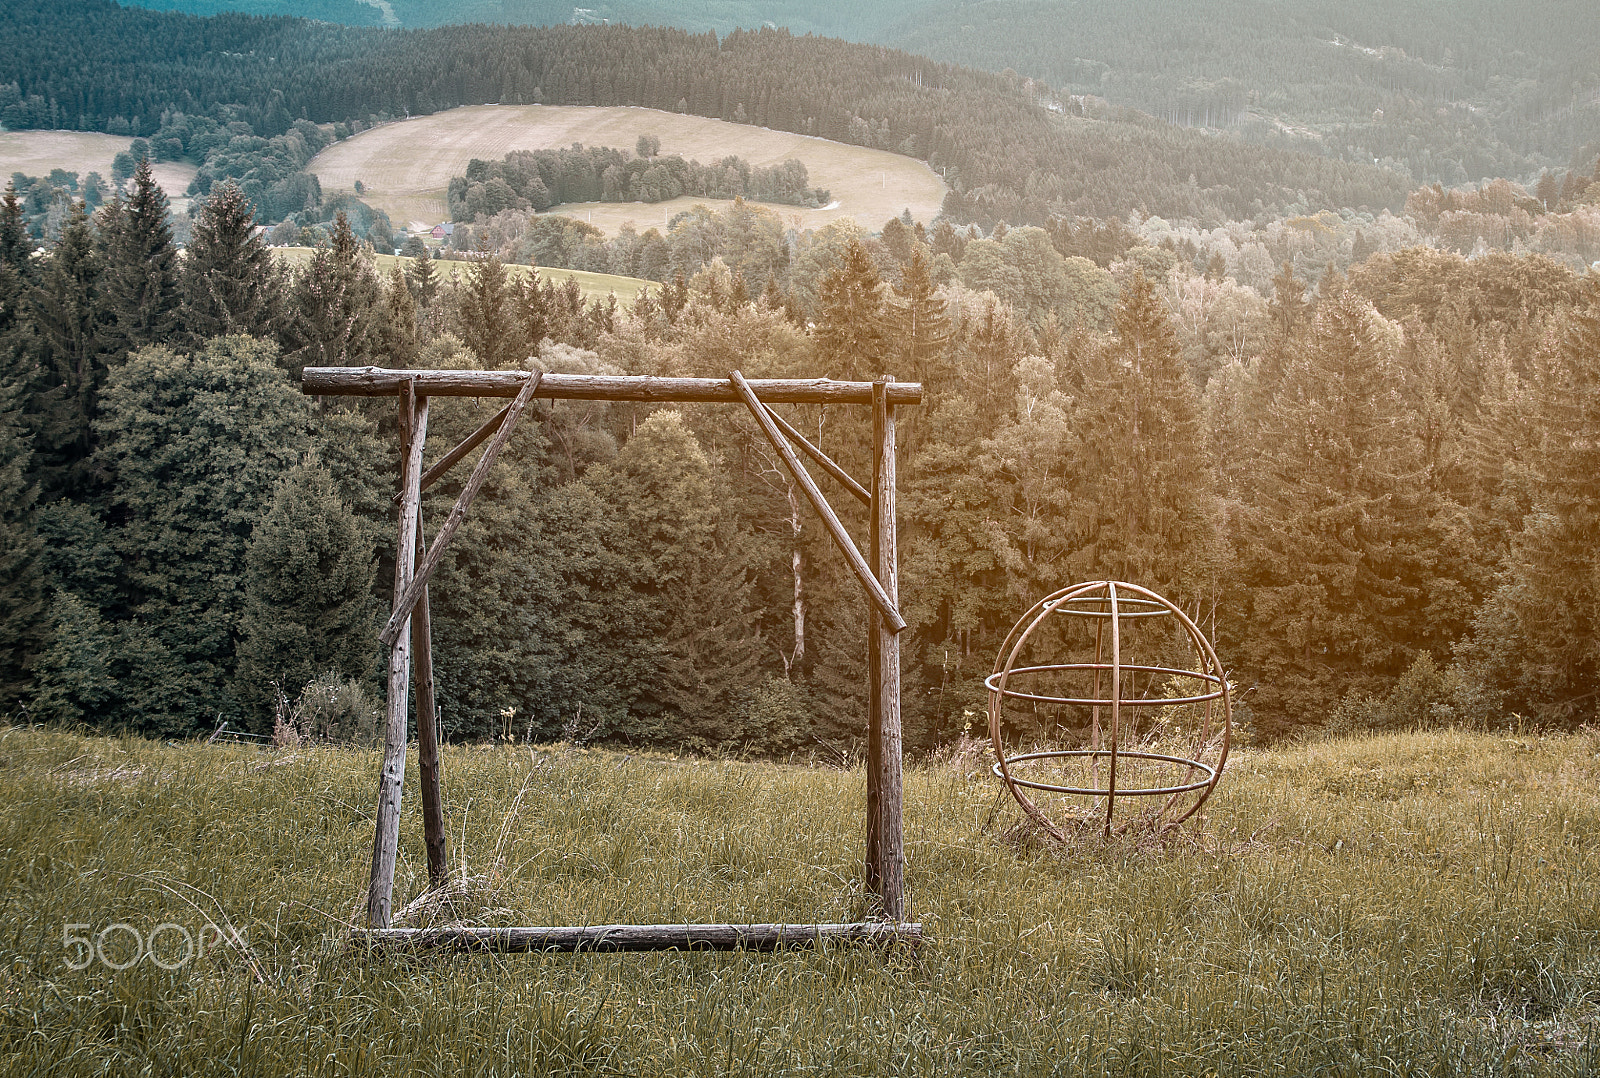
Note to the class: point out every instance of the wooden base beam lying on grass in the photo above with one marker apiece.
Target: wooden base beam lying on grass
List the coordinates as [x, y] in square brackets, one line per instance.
[641, 937]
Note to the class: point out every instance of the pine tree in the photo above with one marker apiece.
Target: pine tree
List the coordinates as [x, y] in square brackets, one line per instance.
[75, 680]
[399, 320]
[1143, 505]
[17, 273]
[308, 604]
[67, 312]
[691, 646]
[333, 317]
[1550, 600]
[850, 331]
[1334, 539]
[141, 286]
[919, 326]
[22, 601]
[530, 304]
[197, 444]
[227, 283]
[424, 280]
[484, 318]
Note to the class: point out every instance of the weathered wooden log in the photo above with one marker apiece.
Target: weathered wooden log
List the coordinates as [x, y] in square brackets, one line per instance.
[822, 458]
[386, 841]
[830, 520]
[428, 765]
[458, 512]
[886, 857]
[452, 458]
[380, 382]
[760, 937]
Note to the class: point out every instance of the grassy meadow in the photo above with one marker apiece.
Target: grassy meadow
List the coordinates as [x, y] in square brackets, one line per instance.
[405, 167]
[593, 285]
[1418, 904]
[35, 153]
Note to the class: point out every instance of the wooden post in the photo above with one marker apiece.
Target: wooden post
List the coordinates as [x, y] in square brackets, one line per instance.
[386, 843]
[406, 599]
[433, 831]
[885, 832]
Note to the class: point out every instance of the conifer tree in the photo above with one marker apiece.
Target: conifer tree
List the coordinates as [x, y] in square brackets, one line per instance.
[1143, 505]
[227, 283]
[850, 335]
[1549, 604]
[67, 312]
[424, 280]
[1333, 543]
[399, 320]
[141, 287]
[308, 604]
[75, 681]
[17, 272]
[919, 326]
[333, 318]
[22, 601]
[530, 302]
[484, 318]
[197, 444]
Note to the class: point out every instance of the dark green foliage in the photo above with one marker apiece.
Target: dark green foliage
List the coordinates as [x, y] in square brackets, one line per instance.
[68, 315]
[76, 682]
[539, 179]
[141, 284]
[22, 599]
[228, 282]
[197, 444]
[308, 603]
[332, 316]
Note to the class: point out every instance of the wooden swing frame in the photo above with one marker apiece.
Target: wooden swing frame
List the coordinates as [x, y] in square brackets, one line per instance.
[409, 628]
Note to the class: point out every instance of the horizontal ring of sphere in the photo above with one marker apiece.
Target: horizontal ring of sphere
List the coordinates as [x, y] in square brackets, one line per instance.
[1157, 701]
[1154, 791]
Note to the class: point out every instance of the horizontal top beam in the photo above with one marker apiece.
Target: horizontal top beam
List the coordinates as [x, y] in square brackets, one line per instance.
[380, 382]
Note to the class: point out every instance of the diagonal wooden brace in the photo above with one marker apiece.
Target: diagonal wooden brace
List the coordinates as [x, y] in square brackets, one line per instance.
[847, 546]
[820, 457]
[458, 512]
[452, 458]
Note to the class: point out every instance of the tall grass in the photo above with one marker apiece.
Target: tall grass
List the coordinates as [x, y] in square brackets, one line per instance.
[1421, 904]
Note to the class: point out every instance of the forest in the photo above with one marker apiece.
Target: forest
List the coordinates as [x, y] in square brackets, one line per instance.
[1493, 90]
[539, 179]
[1007, 148]
[1341, 416]
[1374, 489]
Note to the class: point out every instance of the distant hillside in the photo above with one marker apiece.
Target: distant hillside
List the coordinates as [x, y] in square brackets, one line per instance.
[1453, 92]
[997, 143]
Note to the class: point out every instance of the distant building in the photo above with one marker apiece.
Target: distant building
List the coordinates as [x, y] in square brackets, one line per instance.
[444, 231]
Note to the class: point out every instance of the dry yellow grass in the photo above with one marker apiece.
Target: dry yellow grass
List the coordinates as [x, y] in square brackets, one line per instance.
[35, 153]
[405, 167]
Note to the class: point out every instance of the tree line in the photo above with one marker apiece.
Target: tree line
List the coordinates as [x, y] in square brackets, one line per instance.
[994, 138]
[540, 179]
[1373, 490]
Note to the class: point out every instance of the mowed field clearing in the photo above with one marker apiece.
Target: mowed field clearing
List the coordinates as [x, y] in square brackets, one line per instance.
[594, 285]
[35, 153]
[405, 167]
